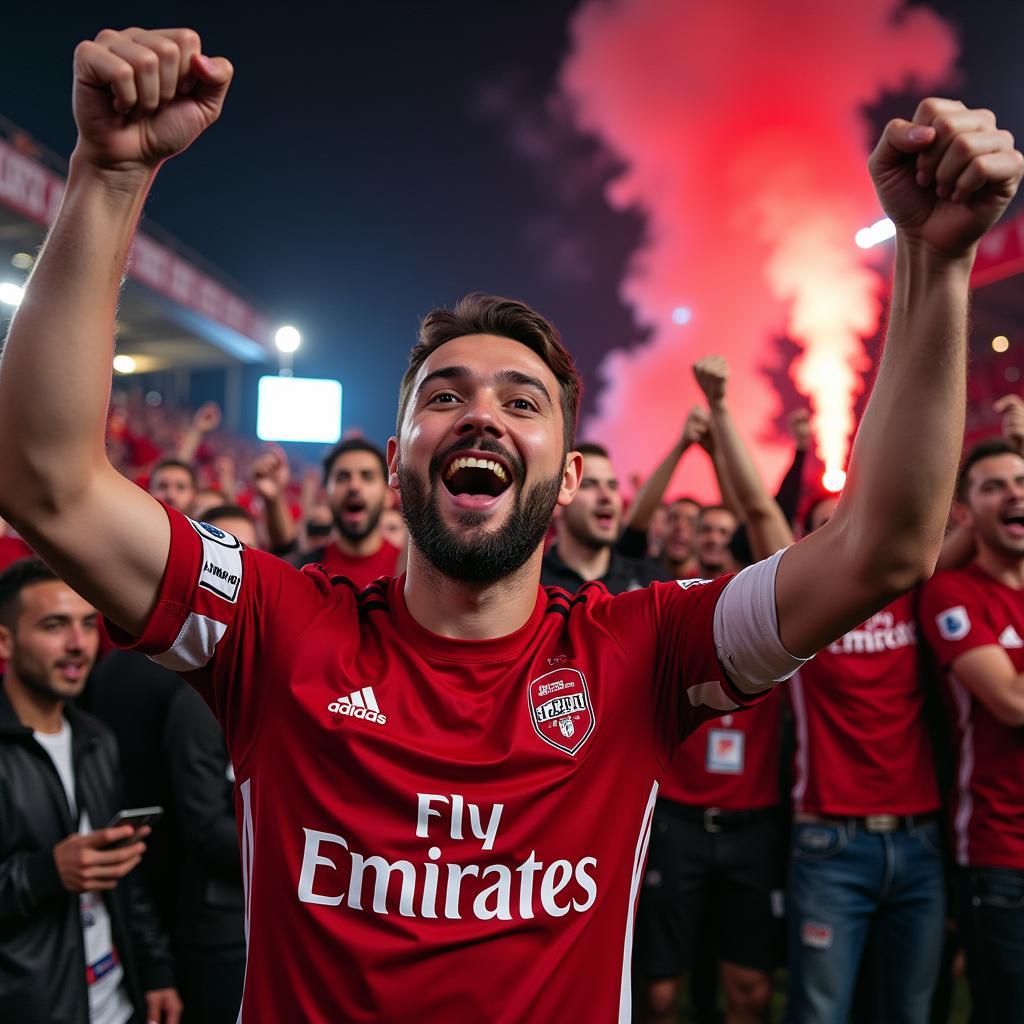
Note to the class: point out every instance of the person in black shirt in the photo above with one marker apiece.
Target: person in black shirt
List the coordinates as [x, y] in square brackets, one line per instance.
[588, 544]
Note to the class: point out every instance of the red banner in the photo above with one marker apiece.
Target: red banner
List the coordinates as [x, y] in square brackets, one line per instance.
[1000, 253]
[35, 192]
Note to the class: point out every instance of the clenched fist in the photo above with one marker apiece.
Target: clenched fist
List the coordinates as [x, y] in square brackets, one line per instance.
[945, 177]
[142, 96]
[1011, 411]
[712, 373]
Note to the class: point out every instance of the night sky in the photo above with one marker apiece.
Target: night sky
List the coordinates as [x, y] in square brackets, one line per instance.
[370, 165]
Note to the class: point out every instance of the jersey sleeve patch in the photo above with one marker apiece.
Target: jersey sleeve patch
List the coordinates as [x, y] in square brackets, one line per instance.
[953, 623]
[221, 566]
[194, 646]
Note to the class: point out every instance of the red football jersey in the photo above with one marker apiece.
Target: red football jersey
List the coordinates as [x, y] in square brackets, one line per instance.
[362, 570]
[862, 745]
[12, 549]
[960, 610]
[436, 829]
[731, 763]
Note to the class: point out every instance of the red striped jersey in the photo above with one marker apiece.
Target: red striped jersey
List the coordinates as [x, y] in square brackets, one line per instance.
[436, 829]
[732, 762]
[862, 744]
[961, 610]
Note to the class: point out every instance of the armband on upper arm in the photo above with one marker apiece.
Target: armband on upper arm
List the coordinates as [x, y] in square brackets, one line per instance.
[746, 630]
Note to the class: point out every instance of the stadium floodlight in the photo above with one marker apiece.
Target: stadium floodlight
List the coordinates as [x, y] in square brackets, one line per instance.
[124, 364]
[22, 260]
[299, 409]
[287, 339]
[11, 294]
[878, 232]
[1000, 343]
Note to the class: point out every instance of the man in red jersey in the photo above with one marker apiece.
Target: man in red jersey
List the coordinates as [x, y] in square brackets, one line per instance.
[445, 783]
[866, 848]
[973, 618]
[356, 480]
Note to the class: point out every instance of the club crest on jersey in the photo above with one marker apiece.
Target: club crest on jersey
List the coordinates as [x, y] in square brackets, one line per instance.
[560, 709]
[953, 623]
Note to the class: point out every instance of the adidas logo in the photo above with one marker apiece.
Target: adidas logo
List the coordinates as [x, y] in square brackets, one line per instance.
[359, 704]
[1010, 638]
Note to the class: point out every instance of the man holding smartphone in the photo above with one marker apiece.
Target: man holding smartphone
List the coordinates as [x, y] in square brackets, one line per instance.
[78, 939]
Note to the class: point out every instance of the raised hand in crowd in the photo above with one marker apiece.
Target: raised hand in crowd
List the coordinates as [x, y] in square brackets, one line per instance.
[88, 863]
[737, 475]
[269, 477]
[1011, 410]
[224, 470]
[205, 420]
[649, 494]
[799, 422]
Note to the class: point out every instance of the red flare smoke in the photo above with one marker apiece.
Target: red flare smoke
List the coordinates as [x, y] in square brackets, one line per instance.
[742, 132]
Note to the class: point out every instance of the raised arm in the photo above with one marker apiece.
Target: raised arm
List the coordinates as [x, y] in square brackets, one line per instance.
[139, 98]
[766, 525]
[944, 179]
[206, 419]
[652, 492]
[270, 476]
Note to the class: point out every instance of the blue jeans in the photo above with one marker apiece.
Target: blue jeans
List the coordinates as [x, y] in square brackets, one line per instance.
[845, 883]
[990, 916]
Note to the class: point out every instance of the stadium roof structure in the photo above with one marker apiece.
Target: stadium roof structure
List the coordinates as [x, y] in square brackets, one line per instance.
[177, 311]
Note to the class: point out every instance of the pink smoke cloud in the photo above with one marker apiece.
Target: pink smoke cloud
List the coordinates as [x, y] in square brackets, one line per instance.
[742, 129]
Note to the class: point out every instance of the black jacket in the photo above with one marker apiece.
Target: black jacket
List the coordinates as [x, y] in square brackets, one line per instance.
[42, 951]
[173, 753]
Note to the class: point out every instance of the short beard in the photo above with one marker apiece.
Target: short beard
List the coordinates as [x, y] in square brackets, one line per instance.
[37, 681]
[587, 539]
[372, 519]
[484, 556]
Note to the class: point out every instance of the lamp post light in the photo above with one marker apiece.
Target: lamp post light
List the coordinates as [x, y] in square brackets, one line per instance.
[287, 339]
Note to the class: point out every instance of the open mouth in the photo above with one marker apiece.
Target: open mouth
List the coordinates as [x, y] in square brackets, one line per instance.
[605, 519]
[353, 508]
[476, 475]
[1015, 523]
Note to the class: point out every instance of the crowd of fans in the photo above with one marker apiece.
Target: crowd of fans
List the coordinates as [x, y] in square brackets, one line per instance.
[843, 828]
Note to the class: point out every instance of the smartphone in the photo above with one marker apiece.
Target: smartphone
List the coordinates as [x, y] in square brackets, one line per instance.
[136, 817]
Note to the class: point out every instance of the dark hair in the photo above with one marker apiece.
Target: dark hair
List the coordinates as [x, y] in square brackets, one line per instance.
[174, 464]
[353, 444]
[506, 318]
[986, 449]
[15, 578]
[227, 512]
[590, 448]
[716, 508]
[687, 499]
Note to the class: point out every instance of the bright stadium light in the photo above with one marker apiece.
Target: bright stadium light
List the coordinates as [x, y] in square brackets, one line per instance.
[682, 315]
[22, 260]
[287, 339]
[11, 294]
[299, 409]
[878, 232]
[124, 364]
[1000, 343]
